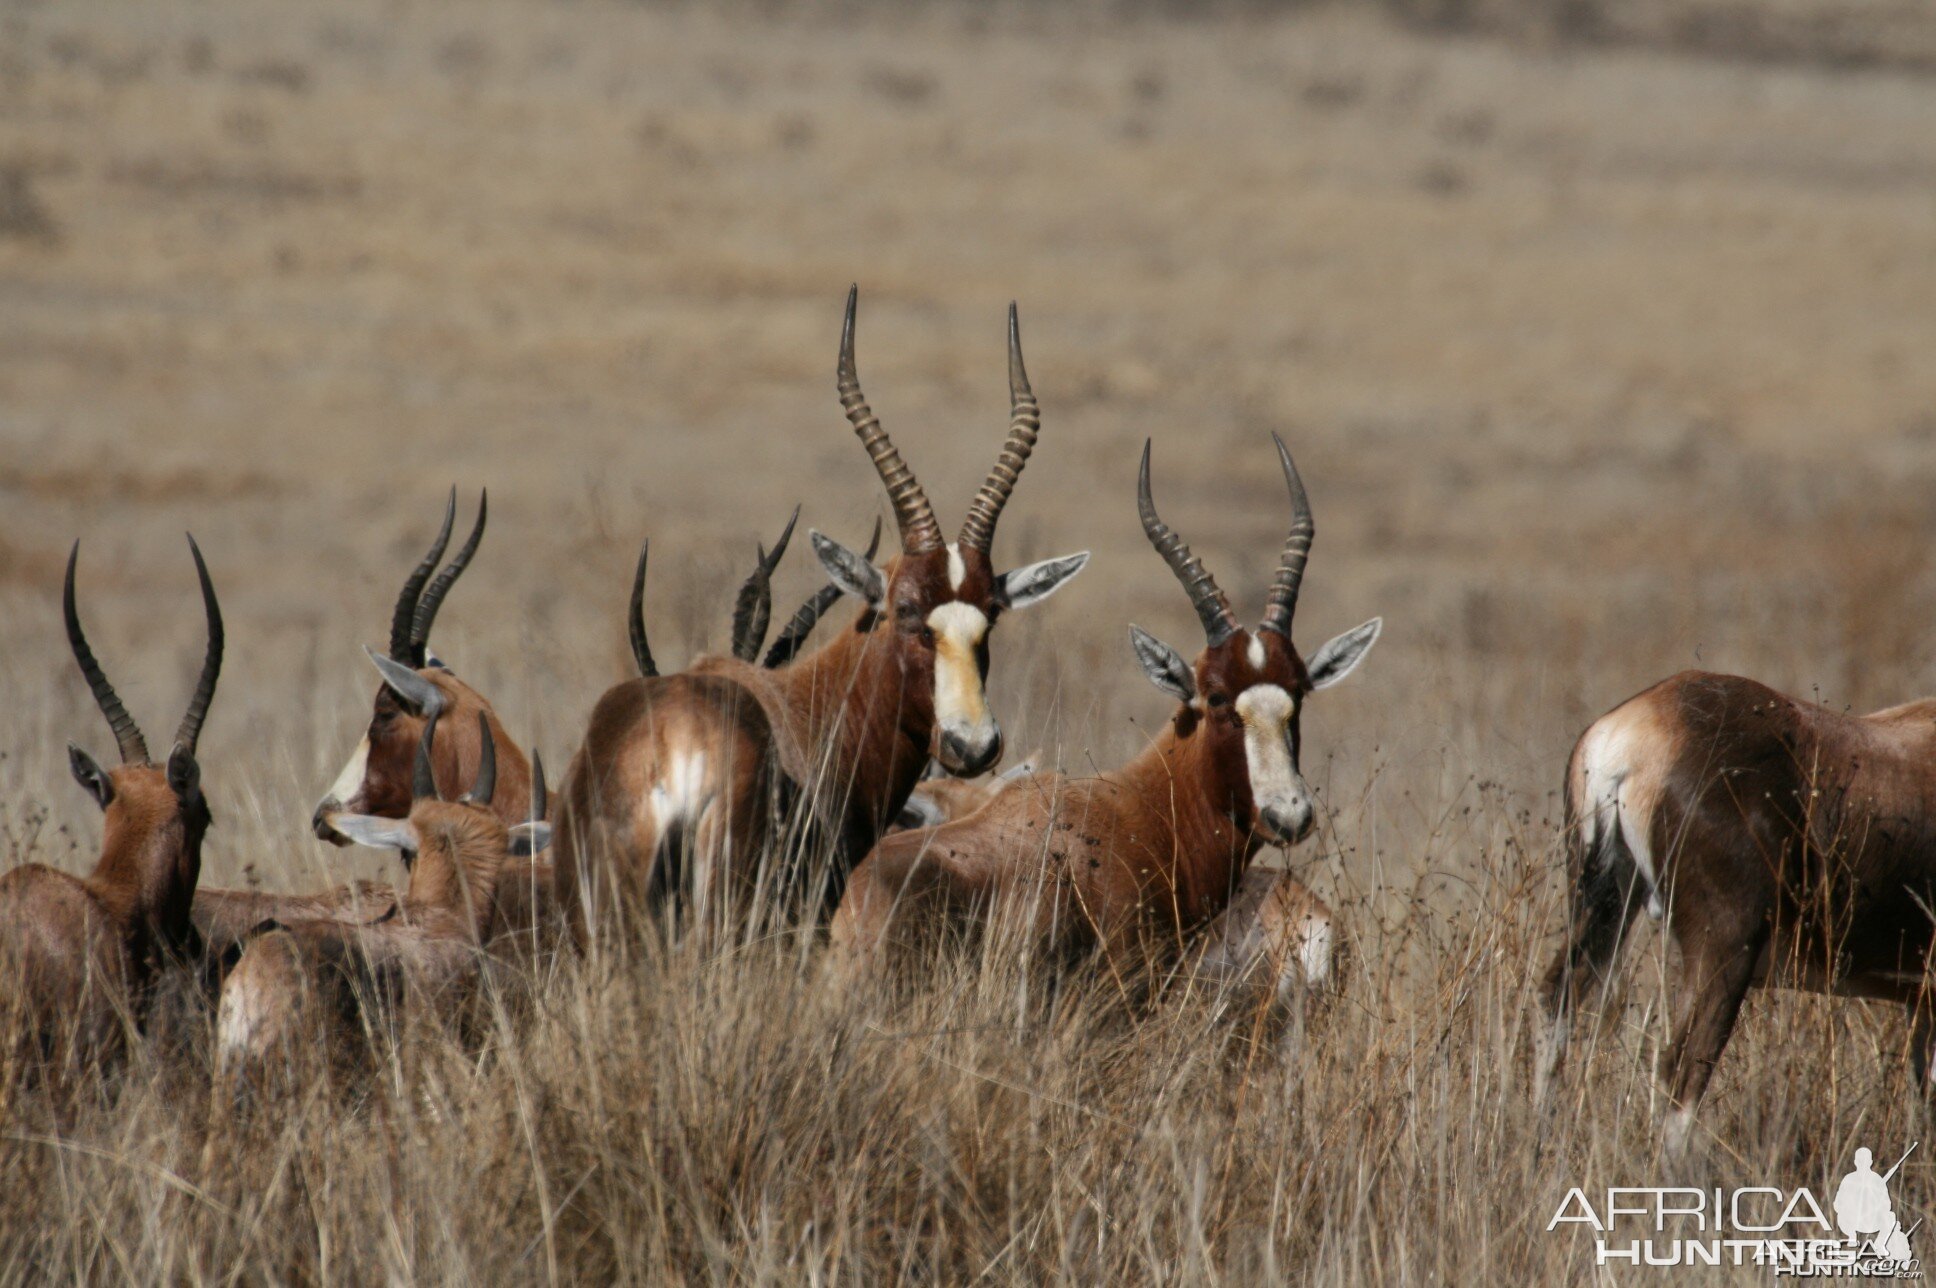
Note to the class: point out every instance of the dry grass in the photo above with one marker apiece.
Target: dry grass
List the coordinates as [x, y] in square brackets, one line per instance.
[1598, 364]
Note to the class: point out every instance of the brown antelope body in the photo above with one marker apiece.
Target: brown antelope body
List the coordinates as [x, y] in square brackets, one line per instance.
[300, 979]
[80, 952]
[1136, 857]
[703, 767]
[1276, 949]
[1780, 842]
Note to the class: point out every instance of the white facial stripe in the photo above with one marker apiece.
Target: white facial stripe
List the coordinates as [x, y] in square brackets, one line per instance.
[350, 781]
[1256, 652]
[1275, 784]
[958, 632]
[957, 570]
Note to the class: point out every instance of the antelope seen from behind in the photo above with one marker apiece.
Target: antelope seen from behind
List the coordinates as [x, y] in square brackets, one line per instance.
[79, 953]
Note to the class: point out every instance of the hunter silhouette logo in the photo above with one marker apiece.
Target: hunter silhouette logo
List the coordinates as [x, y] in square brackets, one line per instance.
[1786, 1231]
[1864, 1214]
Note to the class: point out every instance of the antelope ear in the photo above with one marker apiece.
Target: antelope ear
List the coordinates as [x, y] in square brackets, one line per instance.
[1340, 657]
[854, 574]
[1163, 665]
[417, 693]
[528, 839]
[921, 810]
[184, 774]
[378, 833]
[90, 776]
[1020, 587]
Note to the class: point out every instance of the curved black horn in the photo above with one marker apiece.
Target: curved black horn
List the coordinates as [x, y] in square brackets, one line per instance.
[753, 609]
[127, 734]
[919, 531]
[191, 725]
[404, 616]
[1212, 608]
[485, 786]
[1282, 605]
[433, 596]
[423, 776]
[540, 799]
[808, 615]
[1024, 424]
[635, 620]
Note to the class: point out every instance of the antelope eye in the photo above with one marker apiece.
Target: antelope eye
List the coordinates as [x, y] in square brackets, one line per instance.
[1218, 699]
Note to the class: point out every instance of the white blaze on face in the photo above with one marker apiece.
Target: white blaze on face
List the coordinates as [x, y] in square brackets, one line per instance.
[350, 781]
[1277, 790]
[960, 705]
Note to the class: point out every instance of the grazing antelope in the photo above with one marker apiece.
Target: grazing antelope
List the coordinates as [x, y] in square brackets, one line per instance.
[700, 765]
[292, 976]
[1134, 858]
[83, 951]
[1781, 842]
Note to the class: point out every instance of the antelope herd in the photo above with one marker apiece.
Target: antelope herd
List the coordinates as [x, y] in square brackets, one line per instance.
[841, 785]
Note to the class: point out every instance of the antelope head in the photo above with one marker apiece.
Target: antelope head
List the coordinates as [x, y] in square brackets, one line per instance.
[1244, 695]
[155, 815]
[415, 687]
[454, 849]
[940, 599]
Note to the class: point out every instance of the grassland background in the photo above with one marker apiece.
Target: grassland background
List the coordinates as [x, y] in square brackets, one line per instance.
[1601, 334]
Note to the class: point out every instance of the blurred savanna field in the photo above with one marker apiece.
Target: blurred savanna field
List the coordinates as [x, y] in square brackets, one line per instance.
[1602, 334]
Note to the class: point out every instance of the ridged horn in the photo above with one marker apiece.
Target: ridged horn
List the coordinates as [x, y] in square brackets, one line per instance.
[433, 596]
[635, 617]
[920, 533]
[127, 734]
[423, 775]
[753, 609]
[808, 615]
[403, 618]
[1282, 604]
[1213, 610]
[1024, 424]
[191, 724]
[485, 785]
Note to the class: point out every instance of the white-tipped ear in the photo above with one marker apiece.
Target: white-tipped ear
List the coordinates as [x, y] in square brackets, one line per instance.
[1163, 665]
[378, 833]
[419, 694]
[854, 574]
[528, 839]
[920, 810]
[1020, 587]
[1340, 657]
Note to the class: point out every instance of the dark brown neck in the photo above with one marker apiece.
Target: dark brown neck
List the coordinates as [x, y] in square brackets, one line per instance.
[147, 876]
[1185, 799]
[863, 734]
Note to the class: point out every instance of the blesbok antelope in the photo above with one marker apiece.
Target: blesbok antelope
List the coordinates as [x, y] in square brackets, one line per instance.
[1132, 859]
[294, 976]
[415, 686]
[1780, 842]
[699, 765]
[82, 951]
[1277, 946]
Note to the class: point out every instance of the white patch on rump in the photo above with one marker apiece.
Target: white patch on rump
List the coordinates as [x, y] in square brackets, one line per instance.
[1314, 949]
[958, 632]
[1607, 759]
[350, 781]
[681, 795]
